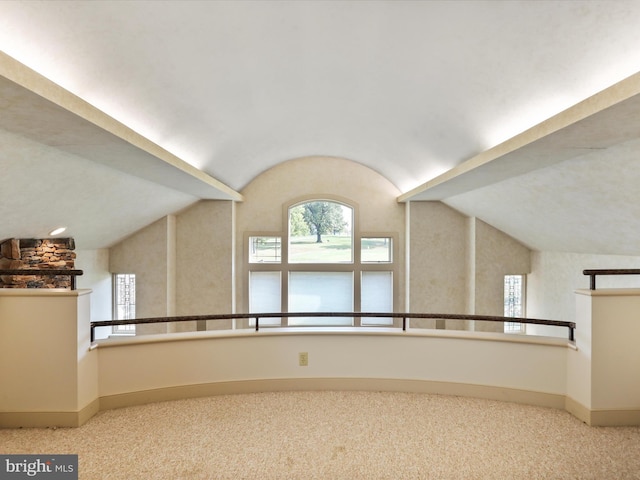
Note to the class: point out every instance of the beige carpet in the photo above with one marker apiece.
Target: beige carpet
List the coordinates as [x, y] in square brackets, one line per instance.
[338, 435]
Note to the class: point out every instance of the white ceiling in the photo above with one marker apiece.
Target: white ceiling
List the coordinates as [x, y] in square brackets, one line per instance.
[412, 89]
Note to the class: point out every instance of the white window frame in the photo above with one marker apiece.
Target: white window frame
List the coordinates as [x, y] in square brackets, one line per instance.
[515, 327]
[356, 266]
[129, 314]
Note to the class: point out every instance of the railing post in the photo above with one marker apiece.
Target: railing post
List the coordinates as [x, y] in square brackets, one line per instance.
[257, 323]
[608, 271]
[404, 324]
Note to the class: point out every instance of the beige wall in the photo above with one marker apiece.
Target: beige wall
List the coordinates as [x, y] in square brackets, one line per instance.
[496, 255]
[194, 263]
[48, 375]
[457, 265]
[183, 266]
[413, 361]
[66, 381]
[603, 370]
[149, 255]
[262, 210]
[438, 260]
[204, 273]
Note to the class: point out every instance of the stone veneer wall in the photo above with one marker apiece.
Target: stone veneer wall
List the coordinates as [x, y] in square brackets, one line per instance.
[33, 253]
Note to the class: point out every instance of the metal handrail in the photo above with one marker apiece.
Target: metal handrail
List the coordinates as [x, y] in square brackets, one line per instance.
[611, 271]
[46, 272]
[257, 316]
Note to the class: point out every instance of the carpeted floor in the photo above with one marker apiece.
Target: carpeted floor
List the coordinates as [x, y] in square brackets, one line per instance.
[338, 435]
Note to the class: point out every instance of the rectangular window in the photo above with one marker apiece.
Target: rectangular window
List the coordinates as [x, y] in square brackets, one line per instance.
[320, 292]
[376, 296]
[291, 270]
[514, 302]
[375, 250]
[124, 302]
[265, 250]
[264, 296]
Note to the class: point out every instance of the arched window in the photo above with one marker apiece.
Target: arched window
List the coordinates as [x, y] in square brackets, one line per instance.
[322, 263]
[320, 232]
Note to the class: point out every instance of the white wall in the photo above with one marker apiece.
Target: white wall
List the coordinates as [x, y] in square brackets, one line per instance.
[48, 374]
[97, 278]
[603, 371]
[556, 275]
[459, 362]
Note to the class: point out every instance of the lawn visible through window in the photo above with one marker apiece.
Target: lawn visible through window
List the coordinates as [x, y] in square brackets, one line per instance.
[321, 264]
[376, 250]
[333, 249]
[265, 249]
[320, 232]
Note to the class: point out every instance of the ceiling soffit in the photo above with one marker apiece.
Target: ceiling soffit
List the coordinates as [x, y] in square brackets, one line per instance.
[40, 110]
[608, 118]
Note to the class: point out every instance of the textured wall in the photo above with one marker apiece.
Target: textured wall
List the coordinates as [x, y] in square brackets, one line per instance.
[183, 265]
[204, 272]
[187, 264]
[496, 255]
[458, 265]
[438, 261]
[556, 275]
[262, 210]
[147, 254]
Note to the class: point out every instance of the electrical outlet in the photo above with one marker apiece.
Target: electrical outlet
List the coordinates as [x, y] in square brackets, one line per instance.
[303, 359]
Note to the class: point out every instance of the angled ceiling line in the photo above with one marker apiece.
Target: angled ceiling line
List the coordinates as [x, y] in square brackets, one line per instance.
[479, 171]
[205, 185]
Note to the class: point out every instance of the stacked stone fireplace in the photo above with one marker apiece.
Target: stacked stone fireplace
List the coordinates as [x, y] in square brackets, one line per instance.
[32, 253]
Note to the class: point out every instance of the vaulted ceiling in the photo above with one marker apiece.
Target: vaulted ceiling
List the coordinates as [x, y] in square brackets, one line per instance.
[488, 106]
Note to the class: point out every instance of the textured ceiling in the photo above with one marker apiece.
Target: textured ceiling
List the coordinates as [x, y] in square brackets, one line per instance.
[411, 89]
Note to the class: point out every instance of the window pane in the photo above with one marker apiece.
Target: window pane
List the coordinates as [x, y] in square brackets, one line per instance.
[265, 250]
[377, 296]
[376, 250]
[320, 232]
[125, 302]
[513, 302]
[264, 296]
[320, 292]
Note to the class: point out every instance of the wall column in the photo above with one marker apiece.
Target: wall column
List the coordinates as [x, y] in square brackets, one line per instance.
[48, 374]
[603, 373]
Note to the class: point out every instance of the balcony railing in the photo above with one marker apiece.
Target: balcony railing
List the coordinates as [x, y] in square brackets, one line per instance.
[612, 271]
[404, 316]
